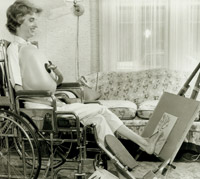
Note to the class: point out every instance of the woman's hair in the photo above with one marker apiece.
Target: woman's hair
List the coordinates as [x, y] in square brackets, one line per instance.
[17, 11]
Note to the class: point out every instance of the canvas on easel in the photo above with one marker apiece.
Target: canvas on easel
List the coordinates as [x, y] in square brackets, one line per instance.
[165, 125]
[181, 112]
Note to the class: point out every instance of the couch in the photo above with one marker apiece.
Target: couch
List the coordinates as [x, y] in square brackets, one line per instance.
[133, 95]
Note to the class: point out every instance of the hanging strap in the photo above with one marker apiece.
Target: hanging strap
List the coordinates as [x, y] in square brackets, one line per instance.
[2, 93]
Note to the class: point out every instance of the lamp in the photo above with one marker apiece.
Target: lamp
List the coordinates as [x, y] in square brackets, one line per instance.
[77, 9]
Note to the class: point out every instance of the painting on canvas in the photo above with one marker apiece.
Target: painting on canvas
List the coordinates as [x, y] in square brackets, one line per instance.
[165, 124]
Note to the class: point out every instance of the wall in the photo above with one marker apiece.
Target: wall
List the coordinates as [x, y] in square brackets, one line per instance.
[57, 34]
[94, 32]
[4, 34]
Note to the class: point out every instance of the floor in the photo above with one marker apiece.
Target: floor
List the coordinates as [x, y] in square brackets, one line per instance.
[187, 167]
[183, 170]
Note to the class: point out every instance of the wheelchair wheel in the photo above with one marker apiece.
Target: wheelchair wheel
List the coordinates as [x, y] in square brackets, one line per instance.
[62, 150]
[100, 161]
[19, 150]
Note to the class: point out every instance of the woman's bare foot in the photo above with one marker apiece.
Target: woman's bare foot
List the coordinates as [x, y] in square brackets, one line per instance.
[150, 148]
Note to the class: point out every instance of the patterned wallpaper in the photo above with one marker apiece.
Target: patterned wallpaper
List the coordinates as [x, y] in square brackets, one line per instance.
[57, 36]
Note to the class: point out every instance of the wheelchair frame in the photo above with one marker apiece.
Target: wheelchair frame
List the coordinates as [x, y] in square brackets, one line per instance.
[49, 136]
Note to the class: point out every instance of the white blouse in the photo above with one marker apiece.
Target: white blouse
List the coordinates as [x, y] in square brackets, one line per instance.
[13, 60]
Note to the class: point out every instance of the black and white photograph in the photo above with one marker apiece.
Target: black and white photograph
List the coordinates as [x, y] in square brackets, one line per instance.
[99, 89]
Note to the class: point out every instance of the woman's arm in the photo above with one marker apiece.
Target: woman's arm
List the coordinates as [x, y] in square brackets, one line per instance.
[14, 67]
[59, 76]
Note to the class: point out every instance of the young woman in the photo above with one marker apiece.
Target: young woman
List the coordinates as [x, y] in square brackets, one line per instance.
[26, 62]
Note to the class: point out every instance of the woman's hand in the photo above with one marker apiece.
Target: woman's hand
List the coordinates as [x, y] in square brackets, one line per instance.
[18, 87]
[50, 67]
[54, 68]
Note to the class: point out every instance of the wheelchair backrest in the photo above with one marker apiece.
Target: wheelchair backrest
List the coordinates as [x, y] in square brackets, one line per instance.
[6, 87]
[2, 70]
[2, 92]
[15, 104]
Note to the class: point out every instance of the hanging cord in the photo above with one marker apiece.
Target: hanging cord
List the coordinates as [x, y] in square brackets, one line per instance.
[78, 10]
[77, 69]
[97, 81]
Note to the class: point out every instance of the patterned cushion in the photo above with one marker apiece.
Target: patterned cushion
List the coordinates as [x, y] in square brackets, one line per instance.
[125, 110]
[146, 109]
[138, 86]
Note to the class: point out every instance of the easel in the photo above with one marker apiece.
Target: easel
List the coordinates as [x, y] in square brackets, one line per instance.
[168, 162]
[186, 85]
[171, 104]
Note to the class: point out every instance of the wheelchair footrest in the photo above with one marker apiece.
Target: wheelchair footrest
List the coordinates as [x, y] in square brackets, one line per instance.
[121, 153]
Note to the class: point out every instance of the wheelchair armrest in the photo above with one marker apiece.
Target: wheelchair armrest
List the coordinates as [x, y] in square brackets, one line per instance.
[35, 93]
[69, 85]
[94, 102]
[73, 87]
[22, 95]
[30, 95]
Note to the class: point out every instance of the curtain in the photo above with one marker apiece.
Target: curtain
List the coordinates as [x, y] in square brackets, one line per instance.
[184, 34]
[146, 34]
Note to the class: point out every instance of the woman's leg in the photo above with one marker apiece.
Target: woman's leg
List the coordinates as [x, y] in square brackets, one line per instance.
[90, 114]
[102, 127]
[147, 144]
[109, 124]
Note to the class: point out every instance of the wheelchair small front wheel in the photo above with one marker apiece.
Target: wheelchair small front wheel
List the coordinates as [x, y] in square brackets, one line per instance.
[100, 161]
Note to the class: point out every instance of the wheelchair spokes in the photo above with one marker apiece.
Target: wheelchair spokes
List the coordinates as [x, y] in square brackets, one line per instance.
[18, 151]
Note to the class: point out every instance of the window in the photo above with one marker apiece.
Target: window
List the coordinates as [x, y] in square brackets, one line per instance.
[149, 34]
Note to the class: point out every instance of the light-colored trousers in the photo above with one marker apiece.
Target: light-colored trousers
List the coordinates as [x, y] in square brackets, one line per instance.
[105, 121]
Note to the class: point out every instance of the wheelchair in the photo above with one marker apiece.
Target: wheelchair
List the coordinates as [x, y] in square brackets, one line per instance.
[38, 138]
[44, 139]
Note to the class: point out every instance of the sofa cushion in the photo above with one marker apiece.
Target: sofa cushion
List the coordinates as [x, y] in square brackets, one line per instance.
[146, 109]
[125, 110]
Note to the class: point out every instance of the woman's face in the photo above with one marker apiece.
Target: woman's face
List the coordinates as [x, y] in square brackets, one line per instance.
[28, 28]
